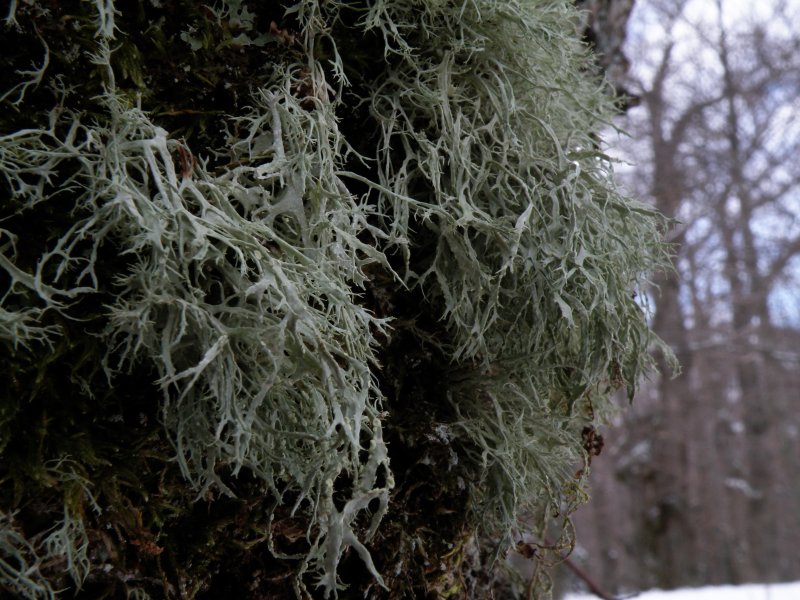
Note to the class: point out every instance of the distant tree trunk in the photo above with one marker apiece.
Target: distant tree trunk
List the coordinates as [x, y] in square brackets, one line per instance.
[665, 528]
[707, 462]
[604, 28]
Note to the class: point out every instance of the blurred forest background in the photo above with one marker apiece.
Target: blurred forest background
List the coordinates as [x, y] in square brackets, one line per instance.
[699, 481]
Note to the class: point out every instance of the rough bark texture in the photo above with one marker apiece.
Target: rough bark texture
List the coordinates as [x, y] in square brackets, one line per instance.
[605, 24]
[205, 397]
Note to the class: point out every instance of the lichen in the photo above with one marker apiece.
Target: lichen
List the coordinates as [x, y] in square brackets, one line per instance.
[357, 222]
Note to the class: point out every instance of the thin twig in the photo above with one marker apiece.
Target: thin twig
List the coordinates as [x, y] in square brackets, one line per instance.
[593, 587]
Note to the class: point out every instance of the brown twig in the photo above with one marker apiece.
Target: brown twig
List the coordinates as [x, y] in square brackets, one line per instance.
[529, 551]
[592, 586]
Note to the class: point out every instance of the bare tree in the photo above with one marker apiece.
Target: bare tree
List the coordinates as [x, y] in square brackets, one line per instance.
[698, 484]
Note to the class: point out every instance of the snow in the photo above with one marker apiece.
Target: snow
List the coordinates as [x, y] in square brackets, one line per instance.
[776, 591]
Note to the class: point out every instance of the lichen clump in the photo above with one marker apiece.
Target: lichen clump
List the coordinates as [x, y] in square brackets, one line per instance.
[249, 254]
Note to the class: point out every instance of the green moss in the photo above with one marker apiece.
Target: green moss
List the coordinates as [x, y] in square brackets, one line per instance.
[251, 253]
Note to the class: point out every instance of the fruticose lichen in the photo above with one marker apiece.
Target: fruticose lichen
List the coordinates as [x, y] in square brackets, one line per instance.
[243, 246]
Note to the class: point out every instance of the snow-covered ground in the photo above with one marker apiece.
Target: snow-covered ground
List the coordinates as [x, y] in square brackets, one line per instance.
[777, 591]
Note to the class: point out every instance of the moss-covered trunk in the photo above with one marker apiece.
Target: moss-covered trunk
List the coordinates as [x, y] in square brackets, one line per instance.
[311, 298]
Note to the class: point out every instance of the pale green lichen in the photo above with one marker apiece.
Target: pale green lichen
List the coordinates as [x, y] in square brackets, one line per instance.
[240, 279]
[238, 288]
[538, 256]
[66, 543]
[20, 563]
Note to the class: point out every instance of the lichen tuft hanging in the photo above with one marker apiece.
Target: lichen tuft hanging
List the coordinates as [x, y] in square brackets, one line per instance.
[314, 298]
